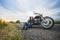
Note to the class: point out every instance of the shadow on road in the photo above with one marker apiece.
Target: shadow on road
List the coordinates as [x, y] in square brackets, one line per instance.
[56, 27]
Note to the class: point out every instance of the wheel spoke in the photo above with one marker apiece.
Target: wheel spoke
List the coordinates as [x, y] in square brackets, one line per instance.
[48, 23]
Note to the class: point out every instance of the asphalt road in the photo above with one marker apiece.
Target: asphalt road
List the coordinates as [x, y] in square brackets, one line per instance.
[39, 33]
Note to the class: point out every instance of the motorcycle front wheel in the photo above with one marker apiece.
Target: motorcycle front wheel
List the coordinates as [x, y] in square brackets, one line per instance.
[49, 22]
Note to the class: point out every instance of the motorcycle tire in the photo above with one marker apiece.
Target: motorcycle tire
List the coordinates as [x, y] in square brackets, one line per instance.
[48, 27]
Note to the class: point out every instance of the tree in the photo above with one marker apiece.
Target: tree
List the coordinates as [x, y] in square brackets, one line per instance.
[18, 21]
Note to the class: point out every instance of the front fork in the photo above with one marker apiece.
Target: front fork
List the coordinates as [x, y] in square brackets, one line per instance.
[43, 19]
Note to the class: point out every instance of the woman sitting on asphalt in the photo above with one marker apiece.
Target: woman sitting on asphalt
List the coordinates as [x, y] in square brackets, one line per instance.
[28, 24]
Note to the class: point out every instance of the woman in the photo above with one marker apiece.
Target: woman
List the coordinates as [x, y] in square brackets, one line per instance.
[28, 24]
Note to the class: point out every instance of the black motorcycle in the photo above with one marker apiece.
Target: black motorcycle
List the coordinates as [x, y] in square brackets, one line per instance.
[46, 22]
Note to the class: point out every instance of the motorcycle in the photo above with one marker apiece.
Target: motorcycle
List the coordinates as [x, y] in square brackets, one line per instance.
[46, 22]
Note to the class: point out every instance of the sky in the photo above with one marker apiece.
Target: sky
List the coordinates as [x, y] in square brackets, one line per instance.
[23, 9]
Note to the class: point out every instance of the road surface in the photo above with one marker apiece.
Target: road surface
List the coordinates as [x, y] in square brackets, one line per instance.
[39, 33]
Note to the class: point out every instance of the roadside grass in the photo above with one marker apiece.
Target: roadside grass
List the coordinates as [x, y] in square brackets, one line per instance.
[57, 22]
[10, 32]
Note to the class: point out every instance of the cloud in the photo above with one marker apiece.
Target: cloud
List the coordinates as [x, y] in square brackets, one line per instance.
[22, 9]
[14, 15]
[9, 15]
[57, 4]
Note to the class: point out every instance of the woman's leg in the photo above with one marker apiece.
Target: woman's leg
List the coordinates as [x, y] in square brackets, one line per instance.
[30, 25]
[25, 26]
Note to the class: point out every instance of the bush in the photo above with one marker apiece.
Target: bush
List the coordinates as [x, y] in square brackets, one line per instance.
[18, 21]
[3, 23]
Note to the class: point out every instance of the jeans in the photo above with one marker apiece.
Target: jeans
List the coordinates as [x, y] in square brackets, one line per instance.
[28, 24]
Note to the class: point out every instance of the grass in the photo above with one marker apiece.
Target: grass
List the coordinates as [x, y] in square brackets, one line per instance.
[10, 32]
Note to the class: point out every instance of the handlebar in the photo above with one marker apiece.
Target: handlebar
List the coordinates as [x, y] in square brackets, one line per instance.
[36, 13]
